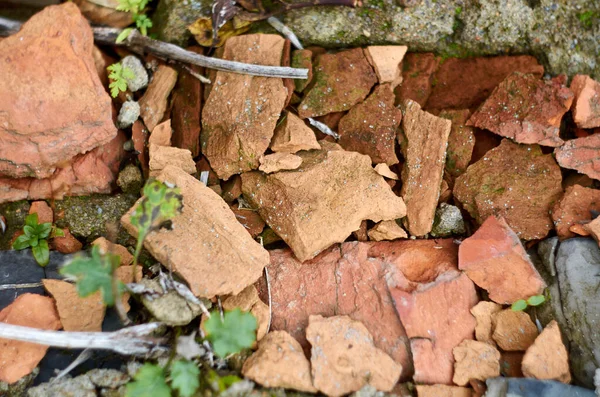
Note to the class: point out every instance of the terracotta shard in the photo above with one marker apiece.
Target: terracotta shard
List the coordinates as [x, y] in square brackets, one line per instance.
[344, 358]
[475, 360]
[293, 135]
[43, 211]
[370, 127]
[302, 59]
[496, 261]
[581, 154]
[483, 313]
[66, 244]
[154, 102]
[526, 109]
[206, 244]
[384, 170]
[443, 391]
[323, 201]
[387, 230]
[340, 81]
[513, 330]
[461, 143]
[241, 111]
[162, 156]
[586, 106]
[516, 182]
[547, 358]
[575, 206]
[423, 139]
[48, 71]
[125, 258]
[279, 162]
[417, 77]
[386, 60]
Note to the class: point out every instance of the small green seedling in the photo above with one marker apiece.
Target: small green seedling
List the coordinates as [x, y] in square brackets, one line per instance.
[36, 236]
[150, 380]
[522, 304]
[95, 273]
[235, 332]
[142, 22]
[118, 76]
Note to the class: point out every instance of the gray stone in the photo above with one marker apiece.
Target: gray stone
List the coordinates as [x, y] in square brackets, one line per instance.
[18, 388]
[110, 378]
[546, 250]
[578, 301]
[130, 179]
[523, 387]
[169, 308]
[368, 391]
[80, 386]
[172, 18]
[139, 71]
[448, 221]
[129, 113]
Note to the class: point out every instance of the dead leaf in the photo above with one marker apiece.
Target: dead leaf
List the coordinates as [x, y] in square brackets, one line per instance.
[202, 30]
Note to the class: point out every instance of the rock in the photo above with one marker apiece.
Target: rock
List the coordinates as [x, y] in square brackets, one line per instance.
[250, 219]
[435, 314]
[510, 364]
[448, 221]
[494, 258]
[443, 391]
[208, 231]
[279, 162]
[417, 77]
[386, 61]
[125, 258]
[423, 140]
[232, 189]
[347, 280]
[76, 313]
[241, 112]
[80, 386]
[105, 377]
[593, 228]
[323, 201]
[344, 358]
[73, 109]
[140, 79]
[461, 142]
[66, 244]
[483, 313]
[384, 170]
[581, 154]
[139, 136]
[516, 182]
[169, 307]
[43, 211]
[172, 18]
[292, 135]
[128, 114]
[463, 83]
[520, 387]
[17, 358]
[513, 331]
[509, 112]
[386, 230]
[302, 59]
[161, 134]
[586, 106]
[248, 301]
[163, 156]
[130, 179]
[475, 360]
[279, 362]
[574, 206]
[154, 102]
[370, 127]
[341, 81]
[547, 357]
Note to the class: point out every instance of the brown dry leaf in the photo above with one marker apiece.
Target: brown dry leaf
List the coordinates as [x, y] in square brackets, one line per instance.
[76, 313]
[203, 31]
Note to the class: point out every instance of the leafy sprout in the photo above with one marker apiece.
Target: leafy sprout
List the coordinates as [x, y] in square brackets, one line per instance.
[142, 22]
[150, 380]
[36, 235]
[522, 304]
[119, 76]
[185, 377]
[236, 331]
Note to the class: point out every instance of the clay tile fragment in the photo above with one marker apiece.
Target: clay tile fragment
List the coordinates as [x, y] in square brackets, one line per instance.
[387, 230]
[586, 106]
[483, 313]
[43, 210]
[513, 330]
[494, 258]
[516, 182]
[386, 60]
[592, 228]
[116, 249]
[341, 81]
[240, 114]
[576, 205]
[302, 59]
[154, 102]
[279, 362]
[66, 244]
[370, 127]
[475, 360]
[344, 359]
[161, 134]
[384, 170]
[206, 244]
[581, 154]
[279, 162]
[323, 201]
[72, 109]
[417, 77]
[292, 135]
[248, 301]
[76, 313]
[162, 156]
[423, 139]
[547, 357]
[250, 219]
[443, 391]
[461, 143]
[18, 359]
[525, 109]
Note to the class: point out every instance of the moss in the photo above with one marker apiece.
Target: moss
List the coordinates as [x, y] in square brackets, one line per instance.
[587, 18]
[15, 214]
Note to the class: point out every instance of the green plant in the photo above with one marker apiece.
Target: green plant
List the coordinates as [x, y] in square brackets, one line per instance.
[522, 304]
[36, 236]
[185, 377]
[118, 76]
[150, 380]
[234, 332]
[141, 20]
[587, 18]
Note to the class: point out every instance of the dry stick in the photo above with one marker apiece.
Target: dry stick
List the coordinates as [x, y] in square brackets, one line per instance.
[81, 358]
[128, 341]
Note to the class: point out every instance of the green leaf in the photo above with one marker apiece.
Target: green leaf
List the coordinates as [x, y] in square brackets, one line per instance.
[57, 232]
[123, 35]
[32, 219]
[21, 242]
[143, 23]
[536, 300]
[41, 253]
[237, 331]
[159, 204]
[93, 274]
[43, 230]
[185, 377]
[34, 241]
[149, 381]
[29, 230]
[519, 305]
